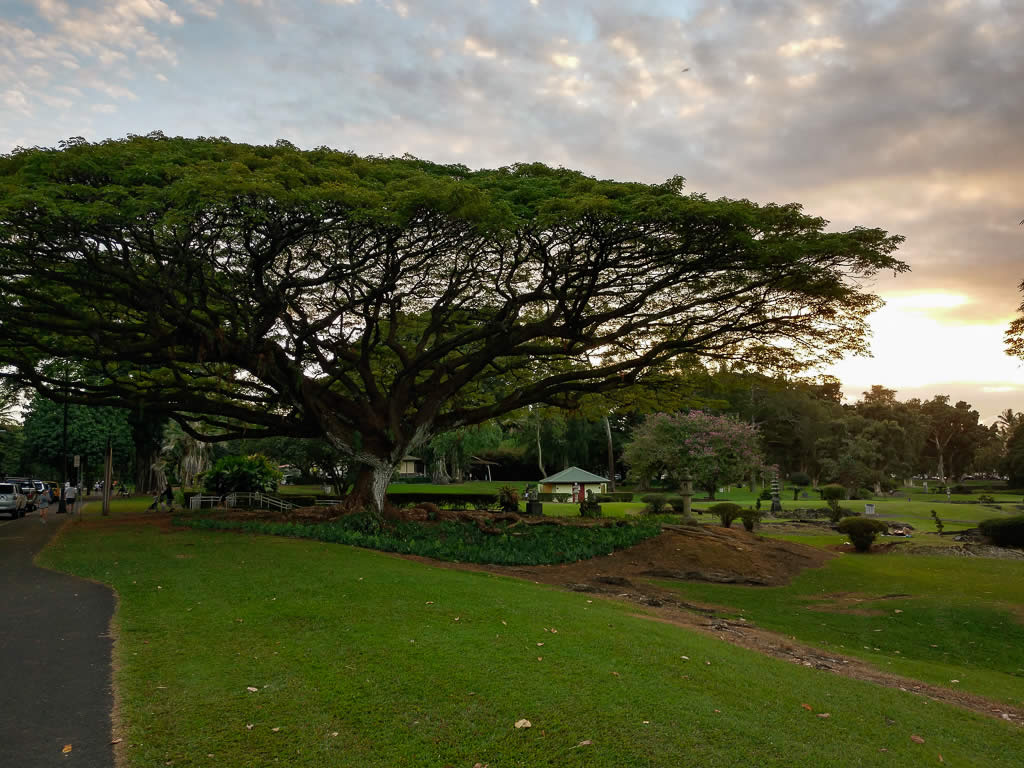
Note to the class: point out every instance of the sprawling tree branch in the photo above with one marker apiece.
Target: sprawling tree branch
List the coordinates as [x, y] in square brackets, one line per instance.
[378, 301]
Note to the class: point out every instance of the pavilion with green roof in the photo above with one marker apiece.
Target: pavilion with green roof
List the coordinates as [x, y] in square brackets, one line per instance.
[572, 479]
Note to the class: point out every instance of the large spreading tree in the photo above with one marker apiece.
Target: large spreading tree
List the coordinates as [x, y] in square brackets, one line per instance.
[250, 291]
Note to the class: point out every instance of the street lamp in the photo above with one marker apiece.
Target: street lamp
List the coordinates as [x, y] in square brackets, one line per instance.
[62, 506]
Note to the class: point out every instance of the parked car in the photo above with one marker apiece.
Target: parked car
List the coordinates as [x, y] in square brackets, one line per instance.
[27, 487]
[12, 501]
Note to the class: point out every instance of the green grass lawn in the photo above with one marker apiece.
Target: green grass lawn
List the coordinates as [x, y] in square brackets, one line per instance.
[958, 619]
[362, 659]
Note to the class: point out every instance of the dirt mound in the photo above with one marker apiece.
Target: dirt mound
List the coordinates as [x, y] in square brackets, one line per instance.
[692, 553]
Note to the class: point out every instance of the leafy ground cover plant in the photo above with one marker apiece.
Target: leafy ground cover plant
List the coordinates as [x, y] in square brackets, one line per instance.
[454, 541]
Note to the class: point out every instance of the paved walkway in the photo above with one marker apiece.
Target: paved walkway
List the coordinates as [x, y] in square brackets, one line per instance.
[55, 657]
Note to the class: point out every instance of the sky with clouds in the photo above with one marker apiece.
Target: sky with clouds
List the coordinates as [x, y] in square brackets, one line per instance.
[901, 114]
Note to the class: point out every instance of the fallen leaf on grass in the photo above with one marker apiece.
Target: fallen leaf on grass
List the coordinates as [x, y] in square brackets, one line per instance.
[117, 741]
[430, 602]
[685, 658]
[334, 733]
[275, 730]
[916, 739]
[615, 673]
[554, 631]
[807, 707]
[540, 658]
[540, 644]
[250, 689]
[824, 715]
[523, 724]
[584, 743]
[249, 726]
[940, 758]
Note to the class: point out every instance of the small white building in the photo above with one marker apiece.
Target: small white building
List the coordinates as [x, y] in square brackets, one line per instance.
[574, 482]
[411, 466]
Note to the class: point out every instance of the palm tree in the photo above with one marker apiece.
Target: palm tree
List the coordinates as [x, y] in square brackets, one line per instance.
[183, 453]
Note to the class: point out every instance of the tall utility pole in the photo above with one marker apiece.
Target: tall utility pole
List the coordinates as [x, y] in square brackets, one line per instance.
[62, 506]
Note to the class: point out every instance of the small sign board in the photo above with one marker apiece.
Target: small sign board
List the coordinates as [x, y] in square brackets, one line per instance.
[869, 509]
[78, 460]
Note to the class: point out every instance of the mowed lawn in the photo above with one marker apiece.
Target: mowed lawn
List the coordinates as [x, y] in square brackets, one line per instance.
[916, 512]
[951, 621]
[362, 659]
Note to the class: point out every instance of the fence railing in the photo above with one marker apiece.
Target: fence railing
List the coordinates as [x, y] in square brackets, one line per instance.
[248, 500]
[258, 501]
[203, 502]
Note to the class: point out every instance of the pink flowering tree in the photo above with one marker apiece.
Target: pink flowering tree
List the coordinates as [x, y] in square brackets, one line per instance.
[713, 450]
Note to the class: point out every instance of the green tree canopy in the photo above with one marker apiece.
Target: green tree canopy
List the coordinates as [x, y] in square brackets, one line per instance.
[88, 430]
[713, 450]
[263, 290]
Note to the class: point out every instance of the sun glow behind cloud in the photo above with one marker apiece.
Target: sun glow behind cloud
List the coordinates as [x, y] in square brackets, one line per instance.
[919, 339]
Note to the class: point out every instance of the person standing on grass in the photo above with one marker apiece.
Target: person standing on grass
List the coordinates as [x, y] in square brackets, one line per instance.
[69, 494]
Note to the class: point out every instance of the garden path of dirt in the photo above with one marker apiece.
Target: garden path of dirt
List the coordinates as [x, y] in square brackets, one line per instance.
[711, 554]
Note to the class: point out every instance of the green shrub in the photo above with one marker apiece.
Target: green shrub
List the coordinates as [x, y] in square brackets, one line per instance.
[656, 503]
[508, 499]
[241, 474]
[765, 495]
[455, 541]
[861, 493]
[986, 499]
[862, 531]
[938, 522]
[677, 503]
[590, 509]
[961, 489]
[726, 511]
[750, 518]
[1004, 531]
[606, 498]
[446, 500]
[833, 494]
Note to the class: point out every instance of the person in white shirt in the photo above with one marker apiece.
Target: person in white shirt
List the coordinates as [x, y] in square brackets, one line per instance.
[69, 493]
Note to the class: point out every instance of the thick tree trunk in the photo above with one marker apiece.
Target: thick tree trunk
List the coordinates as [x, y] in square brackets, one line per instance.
[611, 454]
[540, 454]
[942, 469]
[145, 455]
[371, 487]
[439, 474]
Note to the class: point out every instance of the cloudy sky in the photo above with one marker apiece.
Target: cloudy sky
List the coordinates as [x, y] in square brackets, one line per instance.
[905, 115]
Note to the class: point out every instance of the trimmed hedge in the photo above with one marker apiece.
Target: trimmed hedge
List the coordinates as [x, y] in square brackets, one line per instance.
[446, 500]
[455, 541]
[862, 531]
[726, 511]
[616, 496]
[1004, 531]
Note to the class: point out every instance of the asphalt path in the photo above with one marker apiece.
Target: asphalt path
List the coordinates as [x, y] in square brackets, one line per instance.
[55, 656]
